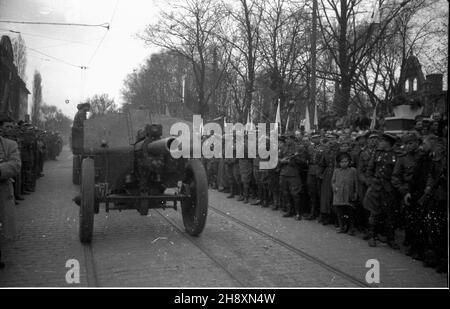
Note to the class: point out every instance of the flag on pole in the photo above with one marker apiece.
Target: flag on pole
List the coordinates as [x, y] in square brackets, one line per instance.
[307, 121]
[287, 124]
[374, 118]
[277, 117]
[183, 83]
[316, 119]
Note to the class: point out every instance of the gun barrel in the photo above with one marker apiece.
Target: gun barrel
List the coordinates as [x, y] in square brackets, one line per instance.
[158, 147]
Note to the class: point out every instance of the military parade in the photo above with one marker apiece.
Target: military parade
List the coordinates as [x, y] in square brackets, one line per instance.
[243, 144]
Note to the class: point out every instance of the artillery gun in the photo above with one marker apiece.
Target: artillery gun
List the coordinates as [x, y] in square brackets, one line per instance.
[127, 164]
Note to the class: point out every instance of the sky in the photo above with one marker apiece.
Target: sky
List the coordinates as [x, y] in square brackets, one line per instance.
[109, 55]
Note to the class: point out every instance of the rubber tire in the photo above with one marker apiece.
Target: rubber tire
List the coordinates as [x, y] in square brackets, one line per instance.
[87, 201]
[76, 177]
[194, 214]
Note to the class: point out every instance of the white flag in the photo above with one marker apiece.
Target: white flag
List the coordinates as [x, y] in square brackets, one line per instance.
[277, 117]
[287, 124]
[316, 119]
[183, 83]
[307, 121]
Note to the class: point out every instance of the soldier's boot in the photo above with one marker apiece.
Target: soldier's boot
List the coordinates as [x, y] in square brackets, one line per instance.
[351, 224]
[232, 191]
[246, 194]
[372, 241]
[290, 211]
[297, 209]
[240, 193]
[340, 219]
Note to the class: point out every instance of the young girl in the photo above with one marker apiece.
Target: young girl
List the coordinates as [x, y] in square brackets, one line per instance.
[344, 184]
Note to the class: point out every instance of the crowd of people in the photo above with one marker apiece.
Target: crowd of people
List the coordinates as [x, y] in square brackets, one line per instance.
[24, 148]
[369, 183]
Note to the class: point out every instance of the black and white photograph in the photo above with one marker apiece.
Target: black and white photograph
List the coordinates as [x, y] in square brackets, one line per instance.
[246, 146]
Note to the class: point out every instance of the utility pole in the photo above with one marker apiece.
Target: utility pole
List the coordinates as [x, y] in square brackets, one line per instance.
[312, 92]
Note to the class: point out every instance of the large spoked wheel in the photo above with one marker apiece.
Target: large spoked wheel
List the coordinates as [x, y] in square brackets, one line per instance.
[76, 170]
[195, 209]
[87, 200]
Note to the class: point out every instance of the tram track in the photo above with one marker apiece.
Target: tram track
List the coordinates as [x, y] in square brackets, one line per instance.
[92, 278]
[292, 249]
[202, 248]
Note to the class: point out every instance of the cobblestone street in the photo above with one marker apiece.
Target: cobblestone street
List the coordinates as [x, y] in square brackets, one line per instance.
[241, 246]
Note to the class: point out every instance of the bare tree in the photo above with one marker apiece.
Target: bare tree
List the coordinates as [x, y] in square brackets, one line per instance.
[36, 98]
[349, 37]
[284, 48]
[101, 105]
[407, 35]
[189, 28]
[20, 56]
[243, 35]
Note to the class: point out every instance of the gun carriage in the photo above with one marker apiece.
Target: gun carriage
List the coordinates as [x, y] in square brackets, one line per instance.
[126, 163]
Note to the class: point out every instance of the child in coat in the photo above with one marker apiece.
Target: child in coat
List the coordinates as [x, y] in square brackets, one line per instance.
[344, 184]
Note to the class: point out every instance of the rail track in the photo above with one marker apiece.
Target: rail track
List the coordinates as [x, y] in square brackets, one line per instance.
[296, 251]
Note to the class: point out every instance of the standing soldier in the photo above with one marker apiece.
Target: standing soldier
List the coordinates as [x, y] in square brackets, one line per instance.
[313, 180]
[40, 145]
[366, 153]
[257, 175]
[212, 165]
[435, 201]
[380, 198]
[229, 172]
[290, 181]
[27, 160]
[271, 179]
[328, 161]
[408, 179]
[246, 172]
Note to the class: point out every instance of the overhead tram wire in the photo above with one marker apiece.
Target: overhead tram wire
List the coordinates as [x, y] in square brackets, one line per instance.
[104, 36]
[57, 59]
[46, 37]
[103, 25]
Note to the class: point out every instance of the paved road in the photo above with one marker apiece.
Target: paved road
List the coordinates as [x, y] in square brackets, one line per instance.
[242, 245]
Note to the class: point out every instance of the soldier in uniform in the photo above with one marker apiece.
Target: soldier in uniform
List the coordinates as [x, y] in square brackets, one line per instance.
[271, 179]
[380, 199]
[327, 164]
[408, 179]
[435, 202]
[27, 156]
[366, 153]
[40, 154]
[246, 172]
[290, 180]
[9, 168]
[360, 144]
[257, 176]
[313, 180]
[81, 115]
